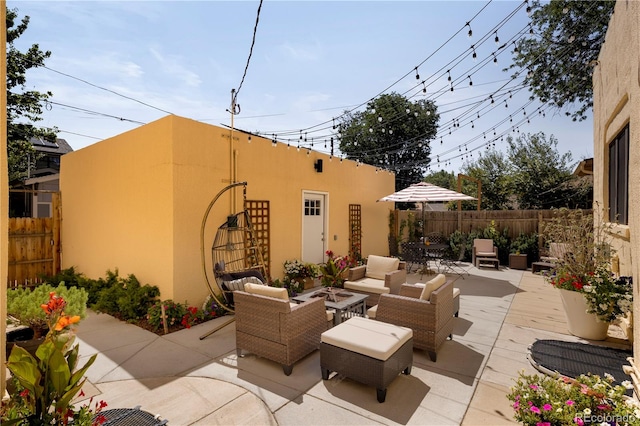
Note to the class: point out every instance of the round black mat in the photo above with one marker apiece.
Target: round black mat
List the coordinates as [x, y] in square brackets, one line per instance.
[572, 359]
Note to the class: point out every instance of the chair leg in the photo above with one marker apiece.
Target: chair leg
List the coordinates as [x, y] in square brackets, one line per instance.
[433, 355]
[288, 369]
[381, 394]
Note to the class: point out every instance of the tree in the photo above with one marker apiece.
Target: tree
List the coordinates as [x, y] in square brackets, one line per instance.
[443, 179]
[492, 169]
[540, 173]
[392, 133]
[560, 52]
[23, 106]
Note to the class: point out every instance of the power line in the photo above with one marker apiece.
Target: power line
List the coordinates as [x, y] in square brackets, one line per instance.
[253, 42]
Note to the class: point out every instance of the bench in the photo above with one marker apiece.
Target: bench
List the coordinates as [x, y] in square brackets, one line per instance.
[367, 351]
[491, 261]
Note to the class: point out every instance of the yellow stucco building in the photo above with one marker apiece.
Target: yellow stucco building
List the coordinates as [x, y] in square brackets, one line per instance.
[616, 112]
[136, 202]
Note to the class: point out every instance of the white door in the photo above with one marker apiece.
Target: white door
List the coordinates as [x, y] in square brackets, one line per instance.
[313, 227]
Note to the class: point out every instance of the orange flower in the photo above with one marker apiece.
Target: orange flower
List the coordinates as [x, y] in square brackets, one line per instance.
[55, 303]
[65, 321]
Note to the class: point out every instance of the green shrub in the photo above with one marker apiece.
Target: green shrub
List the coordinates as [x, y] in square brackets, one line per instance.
[124, 298]
[71, 278]
[526, 244]
[173, 311]
[25, 304]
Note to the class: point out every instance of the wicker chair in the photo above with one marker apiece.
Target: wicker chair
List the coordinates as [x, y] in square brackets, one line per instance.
[483, 248]
[373, 279]
[431, 320]
[274, 329]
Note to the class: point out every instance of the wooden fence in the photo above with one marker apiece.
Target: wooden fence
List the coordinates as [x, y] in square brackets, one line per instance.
[34, 247]
[447, 222]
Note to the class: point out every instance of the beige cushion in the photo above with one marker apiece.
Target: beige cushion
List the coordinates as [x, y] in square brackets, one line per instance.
[456, 292]
[483, 245]
[372, 311]
[432, 285]
[379, 266]
[368, 337]
[485, 254]
[330, 314]
[368, 285]
[263, 290]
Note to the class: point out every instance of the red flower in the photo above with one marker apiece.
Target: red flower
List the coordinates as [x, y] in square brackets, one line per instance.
[24, 393]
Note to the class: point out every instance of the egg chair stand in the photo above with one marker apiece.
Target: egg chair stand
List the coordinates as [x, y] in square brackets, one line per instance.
[236, 255]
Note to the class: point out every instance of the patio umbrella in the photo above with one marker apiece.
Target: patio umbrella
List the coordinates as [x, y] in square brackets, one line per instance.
[423, 192]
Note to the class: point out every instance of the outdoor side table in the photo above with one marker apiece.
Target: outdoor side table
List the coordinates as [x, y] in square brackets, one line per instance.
[518, 261]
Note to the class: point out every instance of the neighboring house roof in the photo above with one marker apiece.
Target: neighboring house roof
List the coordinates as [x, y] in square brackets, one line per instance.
[60, 146]
[42, 179]
[584, 168]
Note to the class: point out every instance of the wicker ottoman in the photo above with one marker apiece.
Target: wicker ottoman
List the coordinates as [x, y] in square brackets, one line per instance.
[367, 351]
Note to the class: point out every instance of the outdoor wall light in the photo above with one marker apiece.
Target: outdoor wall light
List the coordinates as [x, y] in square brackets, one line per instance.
[318, 165]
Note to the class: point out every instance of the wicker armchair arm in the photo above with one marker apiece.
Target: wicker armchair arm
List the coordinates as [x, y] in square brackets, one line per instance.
[410, 290]
[395, 279]
[307, 319]
[406, 311]
[357, 273]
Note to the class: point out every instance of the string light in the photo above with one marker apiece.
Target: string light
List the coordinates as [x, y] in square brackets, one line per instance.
[470, 33]
[417, 75]
[497, 40]
[470, 82]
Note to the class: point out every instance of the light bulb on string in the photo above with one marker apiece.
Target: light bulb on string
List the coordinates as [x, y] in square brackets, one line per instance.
[470, 33]
[497, 40]
[379, 119]
[424, 88]
[491, 97]
[473, 126]
[470, 82]
[495, 59]
[515, 48]
[408, 111]
[370, 130]
[390, 131]
[449, 75]
[452, 87]
[249, 139]
[417, 75]
[505, 104]
[474, 55]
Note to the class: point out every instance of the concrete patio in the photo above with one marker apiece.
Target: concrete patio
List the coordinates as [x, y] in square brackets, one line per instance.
[189, 381]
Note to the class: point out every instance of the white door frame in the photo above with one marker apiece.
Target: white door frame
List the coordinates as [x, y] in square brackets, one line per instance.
[325, 224]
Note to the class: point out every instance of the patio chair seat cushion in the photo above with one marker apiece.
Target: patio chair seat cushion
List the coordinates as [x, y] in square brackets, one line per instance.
[264, 290]
[375, 339]
[456, 292]
[485, 254]
[432, 285]
[379, 266]
[368, 285]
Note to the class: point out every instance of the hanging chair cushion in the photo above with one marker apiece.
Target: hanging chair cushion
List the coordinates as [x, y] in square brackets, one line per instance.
[263, 290]
[238, 284]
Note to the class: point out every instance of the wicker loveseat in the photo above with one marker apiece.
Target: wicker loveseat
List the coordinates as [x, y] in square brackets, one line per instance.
[380, 275]
[269, 326]
[427, 310]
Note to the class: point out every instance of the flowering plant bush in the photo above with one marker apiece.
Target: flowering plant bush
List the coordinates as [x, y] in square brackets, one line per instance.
[589, 399]
[293, 287]
[296, 269]
[46, 384]
[332, 271]
[585, 265]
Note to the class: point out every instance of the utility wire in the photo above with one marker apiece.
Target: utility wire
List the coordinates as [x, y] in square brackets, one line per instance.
[107, 90]
[253, 42]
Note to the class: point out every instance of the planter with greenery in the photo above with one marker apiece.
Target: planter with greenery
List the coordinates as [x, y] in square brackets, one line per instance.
[585, 269]
[333, 272]
[302, 272]
[24, 305]
[44, 385]
[589, 399]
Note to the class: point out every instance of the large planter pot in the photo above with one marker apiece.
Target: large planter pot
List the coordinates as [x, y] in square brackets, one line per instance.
[23, 338]
[581, 323]
[307, 283]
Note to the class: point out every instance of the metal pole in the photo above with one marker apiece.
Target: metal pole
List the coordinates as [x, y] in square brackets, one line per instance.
[232, 180]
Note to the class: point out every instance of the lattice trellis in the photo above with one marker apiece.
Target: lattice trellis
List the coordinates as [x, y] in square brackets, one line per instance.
[259, 212]
[355, 234]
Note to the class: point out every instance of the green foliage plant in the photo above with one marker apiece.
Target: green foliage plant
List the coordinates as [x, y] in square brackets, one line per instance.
[526, 244]
[293, 287]
[49, 381]
[73, 278]
[173, 311]
[294, 269]
[125, 298]
[25, 304]
[333, 270]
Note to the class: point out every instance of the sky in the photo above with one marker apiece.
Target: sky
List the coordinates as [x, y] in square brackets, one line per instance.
[117, 65]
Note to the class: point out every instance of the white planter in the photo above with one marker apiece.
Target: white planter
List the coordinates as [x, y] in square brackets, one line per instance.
[581, 323]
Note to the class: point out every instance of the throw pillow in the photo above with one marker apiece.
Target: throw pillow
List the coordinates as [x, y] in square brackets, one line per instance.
[433, 285]
[263, 290]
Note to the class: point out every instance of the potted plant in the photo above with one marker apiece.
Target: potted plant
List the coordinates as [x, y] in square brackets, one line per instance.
[24, 308]
[44, 385]
[523, 250]
[333, 271]
[588, 399]
[302, 272]
[592, 296]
